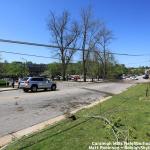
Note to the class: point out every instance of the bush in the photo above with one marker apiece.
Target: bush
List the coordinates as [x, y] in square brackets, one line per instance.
[3, 83]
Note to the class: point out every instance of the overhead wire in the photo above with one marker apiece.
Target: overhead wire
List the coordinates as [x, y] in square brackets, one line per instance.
[25, 54]
[70, 48]
[32, 55]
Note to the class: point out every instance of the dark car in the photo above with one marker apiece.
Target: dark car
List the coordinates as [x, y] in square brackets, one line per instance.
[146, 76]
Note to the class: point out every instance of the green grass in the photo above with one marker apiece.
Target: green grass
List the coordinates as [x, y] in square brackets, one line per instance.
[128, 111]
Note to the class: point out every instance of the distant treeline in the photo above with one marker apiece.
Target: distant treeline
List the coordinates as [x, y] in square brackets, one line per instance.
[95, 70]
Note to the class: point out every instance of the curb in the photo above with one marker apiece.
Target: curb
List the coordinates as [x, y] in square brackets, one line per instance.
[9, 137]
[8, 90]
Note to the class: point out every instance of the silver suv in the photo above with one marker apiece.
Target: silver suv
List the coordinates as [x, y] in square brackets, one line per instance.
[34, 83]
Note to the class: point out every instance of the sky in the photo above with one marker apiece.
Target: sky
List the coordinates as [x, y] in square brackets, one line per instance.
[27, 20]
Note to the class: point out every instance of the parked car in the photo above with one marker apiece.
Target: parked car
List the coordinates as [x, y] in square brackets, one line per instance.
[35, 83]
[58, 77]
[134, 77]
[146, 76]
[75, 77]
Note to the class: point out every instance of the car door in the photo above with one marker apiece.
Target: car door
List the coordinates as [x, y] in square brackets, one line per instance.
[44, 83]
[49, 84]
[40, 82]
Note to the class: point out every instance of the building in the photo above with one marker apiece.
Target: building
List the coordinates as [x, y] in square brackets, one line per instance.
[36, 69]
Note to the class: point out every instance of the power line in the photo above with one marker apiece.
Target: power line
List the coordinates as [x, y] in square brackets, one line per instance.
[47, 57]
[32, 55]
[35, 44]
[70, 48]
[125, 54]
[24, 54]
[138, 62]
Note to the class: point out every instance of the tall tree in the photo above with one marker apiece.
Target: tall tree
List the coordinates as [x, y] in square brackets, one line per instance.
[65, 34]
[104, 38]
[89, 31]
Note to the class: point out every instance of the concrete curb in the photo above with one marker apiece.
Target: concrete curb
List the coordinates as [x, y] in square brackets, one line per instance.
[8, 89]
[8, 138]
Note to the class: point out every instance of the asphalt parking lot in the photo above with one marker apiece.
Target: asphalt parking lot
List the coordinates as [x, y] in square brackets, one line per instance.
[19, 110]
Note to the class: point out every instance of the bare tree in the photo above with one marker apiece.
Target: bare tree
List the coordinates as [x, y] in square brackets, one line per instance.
[90, 27]
[65, 34]
[104, 38]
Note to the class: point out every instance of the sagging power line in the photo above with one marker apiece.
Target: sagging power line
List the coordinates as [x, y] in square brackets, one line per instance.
[24, 54]
[31, 55]
[54, 46]
[34, 44]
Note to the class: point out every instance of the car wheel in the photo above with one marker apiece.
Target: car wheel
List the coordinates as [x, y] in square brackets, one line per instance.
[53, 88]
[25, 90]
[34, 88]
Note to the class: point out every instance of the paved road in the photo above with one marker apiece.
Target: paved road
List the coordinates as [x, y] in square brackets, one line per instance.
[19, 110]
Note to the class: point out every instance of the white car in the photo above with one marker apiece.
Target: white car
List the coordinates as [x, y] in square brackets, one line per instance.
[134, 78]
[35, 83]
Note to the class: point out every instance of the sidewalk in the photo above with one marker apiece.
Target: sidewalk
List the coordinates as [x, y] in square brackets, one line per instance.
[7, 89]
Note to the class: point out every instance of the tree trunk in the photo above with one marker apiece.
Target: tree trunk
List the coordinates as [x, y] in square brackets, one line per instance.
[64, 75]
[84, 71]
[63, 70]
[84, 61]
[105, 63]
